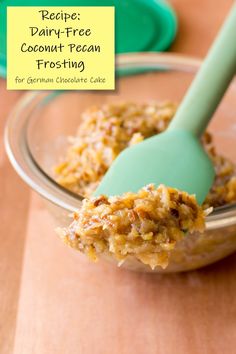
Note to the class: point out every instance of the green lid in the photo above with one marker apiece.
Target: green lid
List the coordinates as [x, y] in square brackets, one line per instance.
[141, 25]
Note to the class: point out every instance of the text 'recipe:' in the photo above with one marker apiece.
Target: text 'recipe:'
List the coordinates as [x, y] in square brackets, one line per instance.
[61, 15]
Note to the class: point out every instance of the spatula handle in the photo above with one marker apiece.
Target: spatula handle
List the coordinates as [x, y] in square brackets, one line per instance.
[211, 81]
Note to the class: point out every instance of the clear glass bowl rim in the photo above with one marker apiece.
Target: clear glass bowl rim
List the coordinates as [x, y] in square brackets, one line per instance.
[15, 138]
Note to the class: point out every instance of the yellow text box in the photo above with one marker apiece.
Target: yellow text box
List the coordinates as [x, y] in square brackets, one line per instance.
[61, 48]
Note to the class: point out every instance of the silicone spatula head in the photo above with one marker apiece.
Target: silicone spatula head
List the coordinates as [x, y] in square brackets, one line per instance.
[176, 158]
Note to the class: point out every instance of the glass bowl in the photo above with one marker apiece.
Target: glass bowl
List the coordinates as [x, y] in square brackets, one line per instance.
[37, 130]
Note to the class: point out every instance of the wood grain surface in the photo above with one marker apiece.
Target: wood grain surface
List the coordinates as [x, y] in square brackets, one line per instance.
[53, 301]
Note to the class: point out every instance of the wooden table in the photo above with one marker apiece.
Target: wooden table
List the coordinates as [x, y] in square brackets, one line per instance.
[53, 301]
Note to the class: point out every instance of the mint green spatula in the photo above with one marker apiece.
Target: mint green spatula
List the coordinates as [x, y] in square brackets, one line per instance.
[176, 158]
